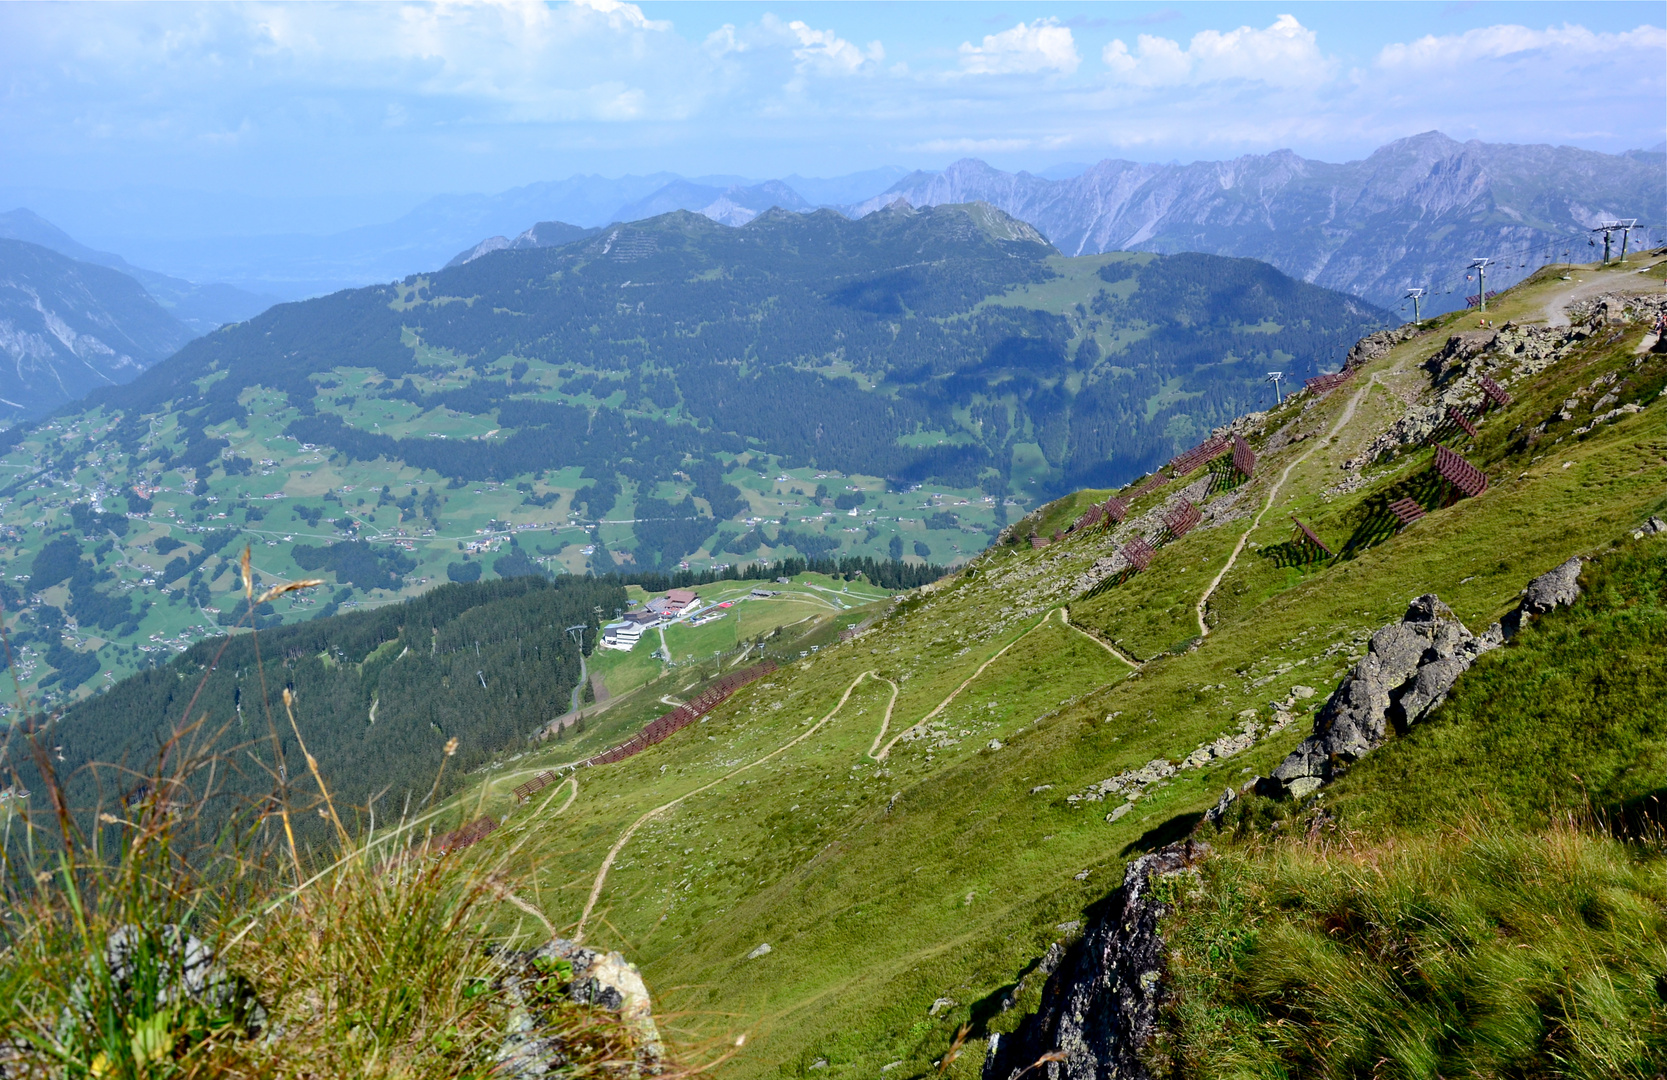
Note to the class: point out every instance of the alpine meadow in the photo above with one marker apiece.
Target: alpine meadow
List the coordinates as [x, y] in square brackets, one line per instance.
[602, 540]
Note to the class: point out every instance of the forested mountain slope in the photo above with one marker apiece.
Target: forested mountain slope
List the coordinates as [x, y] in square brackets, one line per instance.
[887, 839]
[674, 391]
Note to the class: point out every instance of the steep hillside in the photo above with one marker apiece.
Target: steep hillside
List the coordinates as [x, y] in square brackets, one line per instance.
[884, 841]
[672, 392]
[1413, 213]
[67, 327]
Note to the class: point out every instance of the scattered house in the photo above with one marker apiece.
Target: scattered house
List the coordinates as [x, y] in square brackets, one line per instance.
[622, 635]
[675, 603]
[760, 593]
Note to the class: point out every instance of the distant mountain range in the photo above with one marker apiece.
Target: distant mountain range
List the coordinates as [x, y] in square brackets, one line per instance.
[67, 327]
[1414, 213]
[200, 308]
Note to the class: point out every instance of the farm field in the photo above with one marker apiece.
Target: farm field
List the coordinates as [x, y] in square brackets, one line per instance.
[295, 495]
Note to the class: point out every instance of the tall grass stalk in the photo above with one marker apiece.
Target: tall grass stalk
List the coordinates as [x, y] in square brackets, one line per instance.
[133, 947]
[1481, 951]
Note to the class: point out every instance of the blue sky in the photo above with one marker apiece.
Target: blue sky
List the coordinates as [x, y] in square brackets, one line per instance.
[356, 102]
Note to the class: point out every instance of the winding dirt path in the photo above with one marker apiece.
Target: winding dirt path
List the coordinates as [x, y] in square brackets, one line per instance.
[944, 704]
[885, 721]
[1065, 617]
[1623, 281]
[1273, 493]
[572, 779]
[625, 837]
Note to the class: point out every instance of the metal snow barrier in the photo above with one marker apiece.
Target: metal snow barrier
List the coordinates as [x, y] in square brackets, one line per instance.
[1323, 383]
[1406, 511]
[1182, 519]
[1459, 472]
[1462, 420]
[1244, 458]
[662, 728]
[472, 833]
[1495, 393]
[1309, 536]
[1181, 464]
[1139, 553]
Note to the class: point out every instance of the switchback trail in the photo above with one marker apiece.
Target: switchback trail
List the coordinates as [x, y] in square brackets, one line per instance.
[885, 721]
[625, 837]
[1273, 492]
[944, 704]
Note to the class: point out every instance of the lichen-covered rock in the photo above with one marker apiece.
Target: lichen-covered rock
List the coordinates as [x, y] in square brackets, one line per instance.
[586, 977]
[1407, 671]
[1100, 1009]
[1373, 346]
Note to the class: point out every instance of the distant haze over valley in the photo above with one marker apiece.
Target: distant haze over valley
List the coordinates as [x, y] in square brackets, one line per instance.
[1412, 213]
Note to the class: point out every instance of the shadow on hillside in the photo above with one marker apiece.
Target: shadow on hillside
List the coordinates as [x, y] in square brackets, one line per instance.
[1291, 553]
[1224, 477]
[1642, 818]
[1109, 583]
[1374, 523]
[1176, 828]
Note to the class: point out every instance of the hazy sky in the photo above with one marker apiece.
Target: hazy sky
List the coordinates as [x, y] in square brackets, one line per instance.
[345, 100]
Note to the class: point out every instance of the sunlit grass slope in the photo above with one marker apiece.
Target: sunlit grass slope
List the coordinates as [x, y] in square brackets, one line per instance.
[886, 876]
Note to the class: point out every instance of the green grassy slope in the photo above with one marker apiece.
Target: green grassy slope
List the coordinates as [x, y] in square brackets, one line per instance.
[945, 869]
[1484, 896]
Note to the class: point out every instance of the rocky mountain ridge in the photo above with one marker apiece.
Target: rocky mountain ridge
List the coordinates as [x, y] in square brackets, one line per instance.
[200, 307]
[1413, 213]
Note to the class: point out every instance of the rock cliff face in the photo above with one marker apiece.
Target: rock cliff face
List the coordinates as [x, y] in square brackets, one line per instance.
[1401, 217]
[67, 327]
[1100, 1006]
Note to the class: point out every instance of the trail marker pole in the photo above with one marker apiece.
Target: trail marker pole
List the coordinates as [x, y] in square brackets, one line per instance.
[1481, 268]
[1415, 295]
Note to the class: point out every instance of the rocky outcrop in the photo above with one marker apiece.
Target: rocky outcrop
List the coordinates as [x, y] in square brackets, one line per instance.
[1099, 1009]
[1373, 346]
[563, 970]
[1408, 667]
[1407, 671]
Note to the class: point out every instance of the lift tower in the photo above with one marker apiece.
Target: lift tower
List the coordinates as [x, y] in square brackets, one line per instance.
[1415, 295]
[1622, 225]
[1481, 268]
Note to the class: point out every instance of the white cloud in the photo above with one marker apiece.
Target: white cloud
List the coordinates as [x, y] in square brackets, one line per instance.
[724, 40]
[623, 16]
[1285, 54]
[1041, 46]
[1505, 42]
[826, 51]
